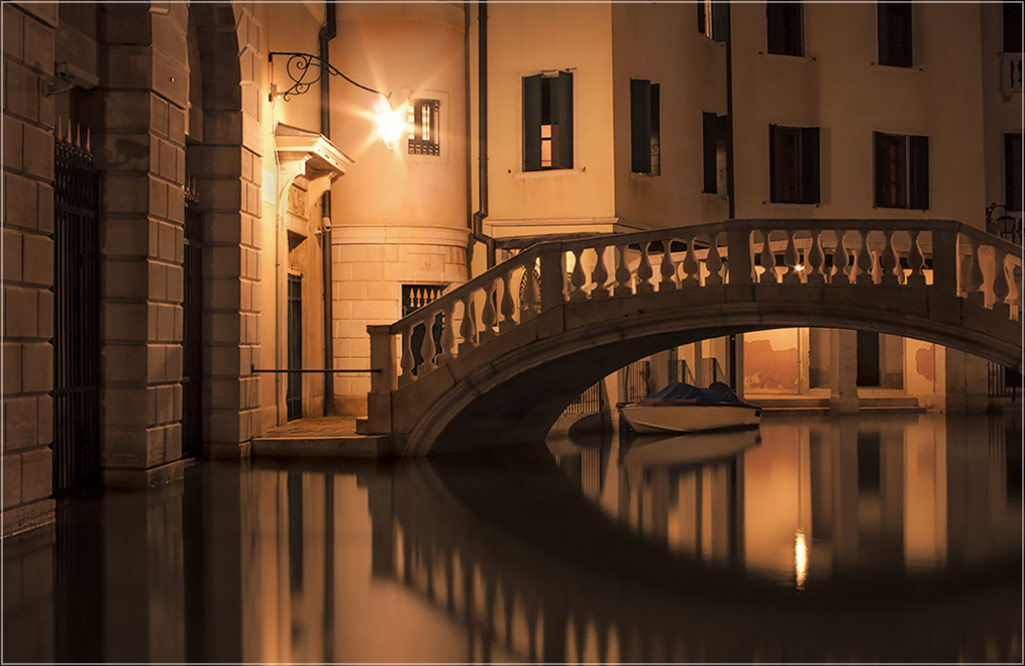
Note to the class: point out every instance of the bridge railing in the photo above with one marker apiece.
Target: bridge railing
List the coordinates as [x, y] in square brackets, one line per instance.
[944, 255]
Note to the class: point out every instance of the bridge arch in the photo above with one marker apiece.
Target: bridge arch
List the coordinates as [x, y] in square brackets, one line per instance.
[520, 362]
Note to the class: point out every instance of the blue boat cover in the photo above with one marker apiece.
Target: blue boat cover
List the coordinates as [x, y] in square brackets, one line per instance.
[716, 392]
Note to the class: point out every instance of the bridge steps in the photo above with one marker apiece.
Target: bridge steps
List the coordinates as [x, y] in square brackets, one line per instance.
[322, 437]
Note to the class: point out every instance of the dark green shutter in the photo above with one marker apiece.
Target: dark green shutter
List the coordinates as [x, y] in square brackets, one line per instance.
[810, 165]
[701, 17]
[565, 120]
[640, 126]
[720, 21]
[532, 123]
[879, 160]
[709, 135]
[919, 168]
[776, 27]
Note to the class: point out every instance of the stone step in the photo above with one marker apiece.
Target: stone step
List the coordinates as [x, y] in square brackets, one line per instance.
[309, 446]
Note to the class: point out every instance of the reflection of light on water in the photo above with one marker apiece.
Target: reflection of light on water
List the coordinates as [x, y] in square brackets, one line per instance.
[800, 559]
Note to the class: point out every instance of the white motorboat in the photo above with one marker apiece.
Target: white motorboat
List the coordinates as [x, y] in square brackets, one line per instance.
[681, 407]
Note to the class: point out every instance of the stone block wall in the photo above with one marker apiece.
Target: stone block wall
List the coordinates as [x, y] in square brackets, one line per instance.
[28, 119]
[367, 289]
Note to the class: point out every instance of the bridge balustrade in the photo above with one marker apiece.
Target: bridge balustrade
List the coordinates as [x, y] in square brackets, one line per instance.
[946, 257]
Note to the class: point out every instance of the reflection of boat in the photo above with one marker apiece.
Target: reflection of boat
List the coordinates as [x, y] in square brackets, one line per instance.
[689, 449]
[681, 407]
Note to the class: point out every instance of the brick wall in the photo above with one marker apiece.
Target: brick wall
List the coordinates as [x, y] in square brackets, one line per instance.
[28, 118]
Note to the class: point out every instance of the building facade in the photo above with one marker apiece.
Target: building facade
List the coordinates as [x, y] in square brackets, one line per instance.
[186, 217]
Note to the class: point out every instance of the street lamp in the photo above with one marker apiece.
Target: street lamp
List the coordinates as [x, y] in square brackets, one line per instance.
[1006, 226]
[303, 74]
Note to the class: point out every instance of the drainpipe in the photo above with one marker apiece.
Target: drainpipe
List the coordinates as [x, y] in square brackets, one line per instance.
[477, 219]
[730, 191]
[327, 33]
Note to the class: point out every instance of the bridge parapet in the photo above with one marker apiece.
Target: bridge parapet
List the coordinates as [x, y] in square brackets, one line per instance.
[940, 260]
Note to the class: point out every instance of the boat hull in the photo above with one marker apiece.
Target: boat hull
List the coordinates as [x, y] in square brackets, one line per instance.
[653, 419]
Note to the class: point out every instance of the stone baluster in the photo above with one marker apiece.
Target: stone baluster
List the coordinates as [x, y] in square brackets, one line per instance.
[667, 269]
[1001, 288]
[690, 266]
[406, 360]
[1016, 275]
[713, 262]
[508, 306]
[644, 271]
[864, 261]
[841, 260]
[488, 317]
[915, 262]
[768, 262]
[468, 327]
[577, 279]
[892, 272]
[791, 259]
[448, 336]
[816, 259]
[529, 298]
[600, 275]
[427, 346]
[622, 273]
[973, 277]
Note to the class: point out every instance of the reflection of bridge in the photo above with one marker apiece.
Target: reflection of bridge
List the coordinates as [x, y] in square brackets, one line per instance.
[528, 567]
[530, 334]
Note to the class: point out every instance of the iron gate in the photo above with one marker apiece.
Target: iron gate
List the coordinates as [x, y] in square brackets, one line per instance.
[294, 395]
[192, 329]
[76, 337]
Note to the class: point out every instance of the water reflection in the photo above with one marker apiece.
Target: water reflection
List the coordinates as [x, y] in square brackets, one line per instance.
[893, 539]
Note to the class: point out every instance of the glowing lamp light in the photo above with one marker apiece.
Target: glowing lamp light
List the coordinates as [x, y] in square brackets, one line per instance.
[390, 123]
[800, 559]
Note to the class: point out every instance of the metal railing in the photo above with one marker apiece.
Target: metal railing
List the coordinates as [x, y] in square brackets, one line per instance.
[1004, 382]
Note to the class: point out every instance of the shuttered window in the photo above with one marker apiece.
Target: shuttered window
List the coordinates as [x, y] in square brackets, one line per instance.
[713, 19]
[548, 122]
[1012, 27]
[713, 153]
[785, 28]
[901, 171]
[645, 151]
[1013, 171]
[794, 164]
[894, 23]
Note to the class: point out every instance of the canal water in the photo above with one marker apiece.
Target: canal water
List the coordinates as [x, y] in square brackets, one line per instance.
[876, 538]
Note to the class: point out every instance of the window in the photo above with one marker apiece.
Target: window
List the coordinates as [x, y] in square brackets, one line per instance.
[1012, 27]
[1013, 172]
[713, 143]
[422, 120]
[902, 171]
[548, 122]
[785, 25]
[794, 164]
[894, 33]
[713, 19]
[644, 111]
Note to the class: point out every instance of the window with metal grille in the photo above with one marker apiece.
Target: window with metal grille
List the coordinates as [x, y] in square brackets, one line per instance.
[414, 297]
[712, 19]
[785, 23]
[794, 164]
[894, 25]
[548, 122]
[645, 151]
[423, 127]
[901, 171]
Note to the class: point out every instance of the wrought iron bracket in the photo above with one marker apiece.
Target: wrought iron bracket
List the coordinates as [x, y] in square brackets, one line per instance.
[306, 69]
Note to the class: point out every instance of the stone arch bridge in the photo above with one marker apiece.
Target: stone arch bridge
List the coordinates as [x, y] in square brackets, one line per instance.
[511, 348]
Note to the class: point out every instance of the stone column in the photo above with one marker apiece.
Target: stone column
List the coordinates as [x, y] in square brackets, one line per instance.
[843, 371]
[141, 154]
[28, 120]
